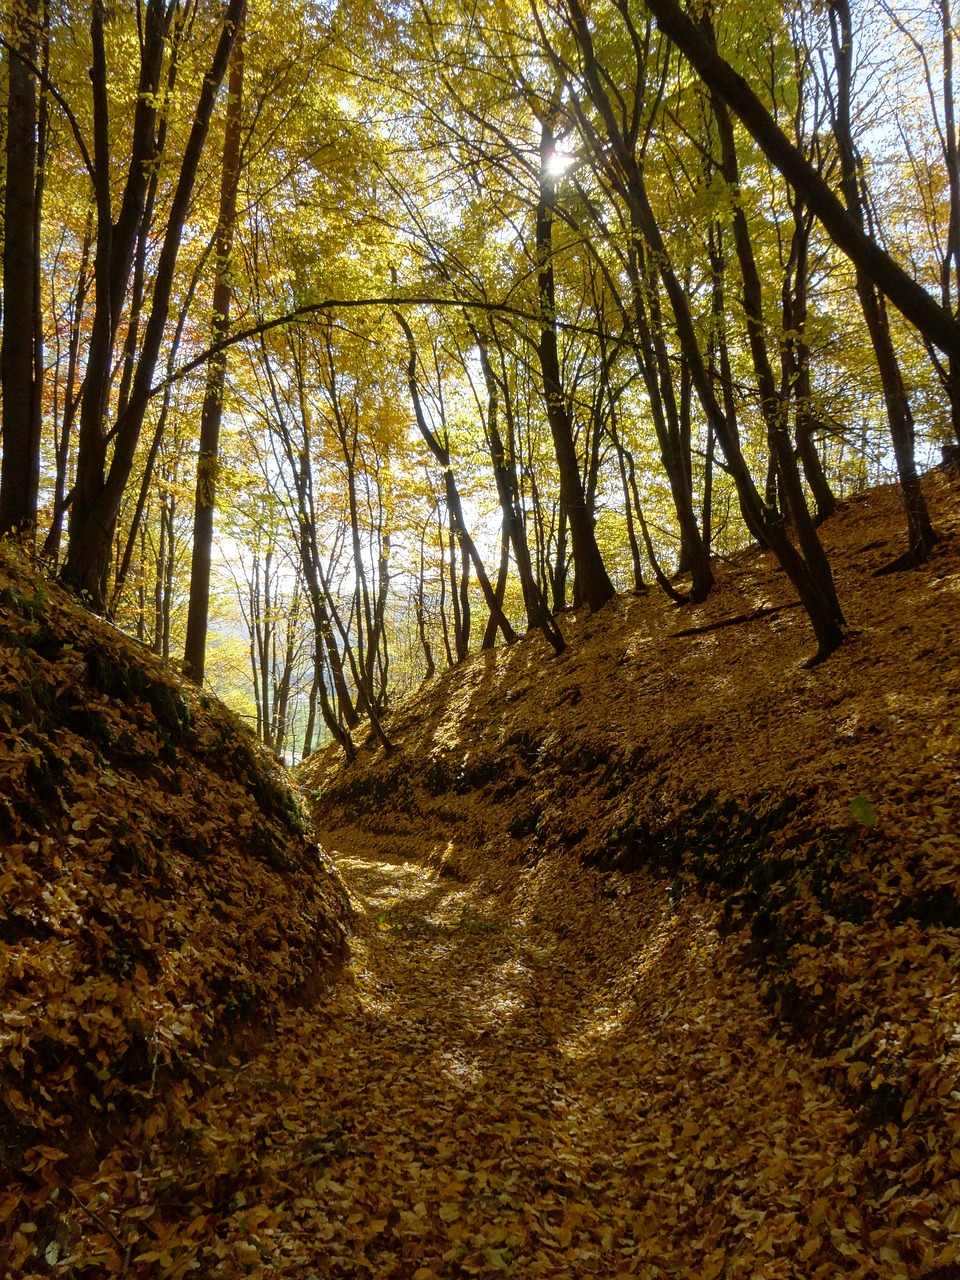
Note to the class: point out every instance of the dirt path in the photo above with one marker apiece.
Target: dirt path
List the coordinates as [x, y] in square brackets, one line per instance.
[562, 1083]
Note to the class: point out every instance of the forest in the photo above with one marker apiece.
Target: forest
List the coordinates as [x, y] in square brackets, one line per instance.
[479, 599]
[341, 341]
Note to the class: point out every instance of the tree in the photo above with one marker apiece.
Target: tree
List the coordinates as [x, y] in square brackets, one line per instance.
[100, 483]
[920, 531]
[593, 583]
[508, 491]
[21, 352]
[208, 453]
[933, 321]
[441, 451]
[810, 576]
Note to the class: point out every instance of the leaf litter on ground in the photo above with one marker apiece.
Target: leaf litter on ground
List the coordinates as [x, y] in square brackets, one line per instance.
[653, 972]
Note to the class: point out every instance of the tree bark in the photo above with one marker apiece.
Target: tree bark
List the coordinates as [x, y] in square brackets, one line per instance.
[208, 456]
[933, 321]
[20, 426]
[593, 581]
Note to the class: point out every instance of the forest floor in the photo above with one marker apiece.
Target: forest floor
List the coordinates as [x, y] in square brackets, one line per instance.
[727, 971]
[654, 963]
[481, 1096]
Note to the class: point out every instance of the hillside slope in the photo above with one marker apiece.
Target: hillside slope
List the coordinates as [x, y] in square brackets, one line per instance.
[159, 896]
[811, 817]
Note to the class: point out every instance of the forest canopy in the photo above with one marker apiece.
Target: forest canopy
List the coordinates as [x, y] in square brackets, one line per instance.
[342, 340]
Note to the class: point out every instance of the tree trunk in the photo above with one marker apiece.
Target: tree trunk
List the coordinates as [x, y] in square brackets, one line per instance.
[208, 456]
[920, 532]
[772, 406]
[420, 611]
[950, 269]
[98, 492]
[20, 427]
[592, 579]
[795, 363]
[625, 460]
[508, 488]
[656, 368]
[932, 320]
[454, 507]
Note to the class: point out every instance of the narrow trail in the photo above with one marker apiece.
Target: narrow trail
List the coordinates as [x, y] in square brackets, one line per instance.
[554, 1080]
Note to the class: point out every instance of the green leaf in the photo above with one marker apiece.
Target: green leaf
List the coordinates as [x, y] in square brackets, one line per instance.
[495, 1259]
[862, 811]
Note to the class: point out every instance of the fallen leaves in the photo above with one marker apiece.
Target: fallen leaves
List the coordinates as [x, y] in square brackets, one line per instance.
[157, 887]
[728, 1048]
[819, 813]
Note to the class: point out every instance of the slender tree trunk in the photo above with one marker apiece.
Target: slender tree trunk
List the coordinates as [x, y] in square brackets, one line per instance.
[720, 372]
[708, 489]
[208, 457]
[666, 586]
[592, 578]
[420, 611]
[142, 587]
[342, 709]
[282, 686]
[99, 491]
[71, 400]
[772, 406]
[625, 459]
[920, 532]
[508, 489]
[454, 507]
[86, 566]
[444, 624]
[499, 591]
[795, 363]
[559, 567]
[267, 624]
[20, 423]
[311, 725]
[950, 268]
[159, 562]
[656, 368]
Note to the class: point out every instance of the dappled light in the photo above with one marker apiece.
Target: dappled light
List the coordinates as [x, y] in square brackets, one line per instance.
[481, 1097]
[729, 1050]
[479, 603]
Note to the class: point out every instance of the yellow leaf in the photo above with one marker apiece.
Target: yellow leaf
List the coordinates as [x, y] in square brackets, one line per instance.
[712, 1266]
[810, 1248]
[52, 1153]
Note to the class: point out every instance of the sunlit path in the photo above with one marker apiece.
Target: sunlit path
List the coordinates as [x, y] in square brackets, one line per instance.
[485, 1096]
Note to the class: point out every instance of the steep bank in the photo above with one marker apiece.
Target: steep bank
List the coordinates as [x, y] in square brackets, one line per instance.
[160, 897]
[813, 815]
